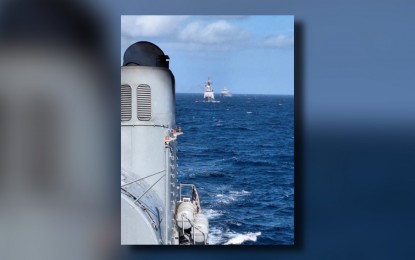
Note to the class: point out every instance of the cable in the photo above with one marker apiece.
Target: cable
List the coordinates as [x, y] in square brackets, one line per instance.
[150, 188]
[142, 178]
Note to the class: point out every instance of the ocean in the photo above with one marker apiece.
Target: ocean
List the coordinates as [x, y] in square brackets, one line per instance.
[239, 153]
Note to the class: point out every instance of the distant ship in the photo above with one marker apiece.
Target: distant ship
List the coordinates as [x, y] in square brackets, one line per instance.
[226, 93]
[208, 95]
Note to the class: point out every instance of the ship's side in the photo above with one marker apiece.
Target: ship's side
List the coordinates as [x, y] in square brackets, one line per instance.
[148, 172]
[154, 210]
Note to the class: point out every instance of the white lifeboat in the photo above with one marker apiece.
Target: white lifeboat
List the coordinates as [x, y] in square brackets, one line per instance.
[200, 228]
[185, 214]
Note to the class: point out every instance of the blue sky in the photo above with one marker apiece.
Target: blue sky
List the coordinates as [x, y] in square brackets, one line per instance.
[246, 54]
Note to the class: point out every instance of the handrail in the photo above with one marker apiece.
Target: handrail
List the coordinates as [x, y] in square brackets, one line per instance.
[194, 227]
[195, 195]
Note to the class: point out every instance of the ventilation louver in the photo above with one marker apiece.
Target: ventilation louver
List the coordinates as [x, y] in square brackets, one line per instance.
[125, 103]
[144, 102]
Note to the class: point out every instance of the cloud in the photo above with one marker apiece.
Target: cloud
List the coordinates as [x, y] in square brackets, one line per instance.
[198, 33]
[150, 25]
[219, 32]
[278, 41]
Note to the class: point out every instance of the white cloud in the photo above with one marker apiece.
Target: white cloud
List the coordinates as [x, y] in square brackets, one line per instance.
[150, 25]
[279, 41]
[219, 32]
[197, 33]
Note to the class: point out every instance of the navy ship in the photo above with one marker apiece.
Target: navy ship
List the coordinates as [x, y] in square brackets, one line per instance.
[208, 95]
[155, 207]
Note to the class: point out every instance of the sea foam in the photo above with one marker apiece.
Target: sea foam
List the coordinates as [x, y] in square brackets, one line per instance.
[240, 238]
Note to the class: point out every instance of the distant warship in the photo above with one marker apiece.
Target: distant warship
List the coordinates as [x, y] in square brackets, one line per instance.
[208, 95]
[155, 209]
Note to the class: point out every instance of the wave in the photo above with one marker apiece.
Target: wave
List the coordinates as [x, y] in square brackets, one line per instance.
[211, 213]
[238, 239]
[233, 224]
[240, 193]
[215, 236]
[231, 197]
[225, 199]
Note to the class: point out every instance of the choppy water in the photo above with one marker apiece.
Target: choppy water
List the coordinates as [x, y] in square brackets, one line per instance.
[240, 154]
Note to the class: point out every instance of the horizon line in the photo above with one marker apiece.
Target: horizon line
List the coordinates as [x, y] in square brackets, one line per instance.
[238, 93]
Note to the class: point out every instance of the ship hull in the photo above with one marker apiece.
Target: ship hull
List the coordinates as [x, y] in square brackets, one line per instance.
[150, 195]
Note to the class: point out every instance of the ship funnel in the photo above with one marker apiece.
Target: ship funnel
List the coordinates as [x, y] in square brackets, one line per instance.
[148, 87]
[145, 53]
[148, 143]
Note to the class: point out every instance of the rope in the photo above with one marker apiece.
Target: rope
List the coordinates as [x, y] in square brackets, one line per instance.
[142, 178]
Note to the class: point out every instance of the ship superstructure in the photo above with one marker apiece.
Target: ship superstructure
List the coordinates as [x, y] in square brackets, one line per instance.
[155, 209]
[208, 95]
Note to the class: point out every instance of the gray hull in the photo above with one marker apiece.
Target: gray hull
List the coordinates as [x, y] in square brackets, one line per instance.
[149, 190]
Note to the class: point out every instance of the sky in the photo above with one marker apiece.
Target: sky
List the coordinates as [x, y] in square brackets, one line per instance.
[246, 54]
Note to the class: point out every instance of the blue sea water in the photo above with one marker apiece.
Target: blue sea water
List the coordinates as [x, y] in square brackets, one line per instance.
[239, 152]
